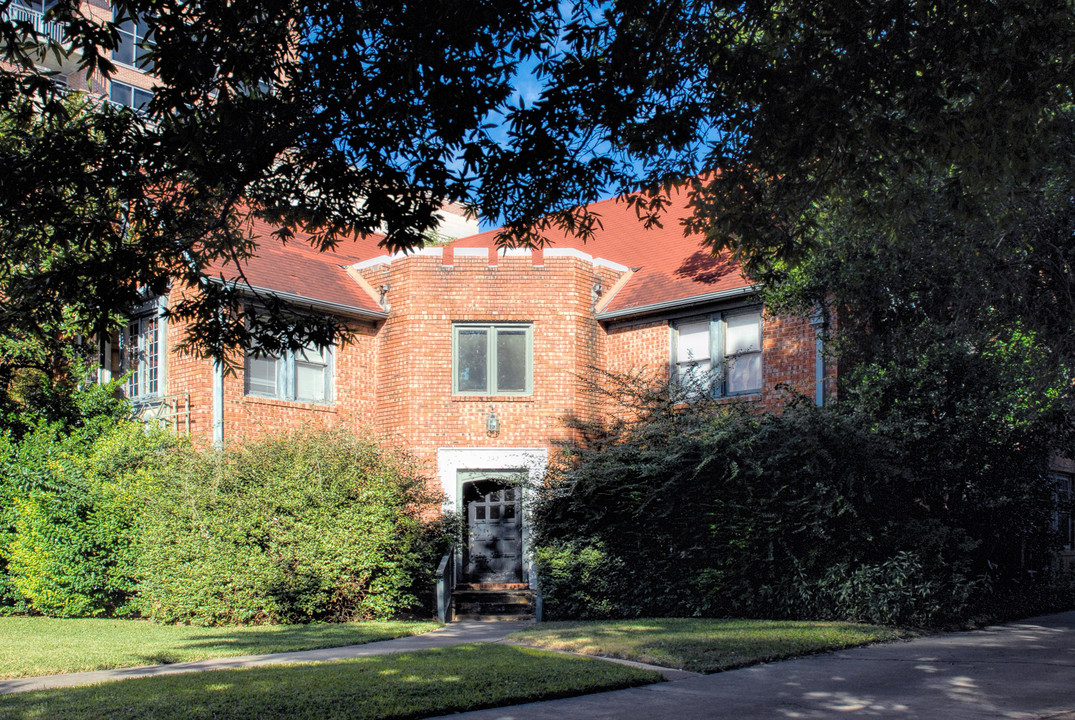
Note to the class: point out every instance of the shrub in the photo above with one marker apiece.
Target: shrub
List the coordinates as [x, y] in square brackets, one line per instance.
[315, 526]
[580, 580]
[70, 499]
[710, 508]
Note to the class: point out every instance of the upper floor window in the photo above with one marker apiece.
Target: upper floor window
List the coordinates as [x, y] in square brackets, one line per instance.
[720, 353]
[135, 42]
[490, 359]
[304, 375]
[129, 96]
[141, 357]
[35, 6]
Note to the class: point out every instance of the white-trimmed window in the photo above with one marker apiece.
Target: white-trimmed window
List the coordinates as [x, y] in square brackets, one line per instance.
[1062, 518]
[141, 343]
[719, 354]
[135, 42]
[304, 375]
[492, 359]
[129, 95]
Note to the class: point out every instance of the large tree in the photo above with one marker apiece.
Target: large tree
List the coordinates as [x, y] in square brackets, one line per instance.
[356, 116]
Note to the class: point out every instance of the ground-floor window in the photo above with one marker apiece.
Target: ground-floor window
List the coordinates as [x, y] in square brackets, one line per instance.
[141, 357]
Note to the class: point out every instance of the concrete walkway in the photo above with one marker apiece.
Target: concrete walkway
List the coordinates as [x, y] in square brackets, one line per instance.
[1021, 670]
[455, 634]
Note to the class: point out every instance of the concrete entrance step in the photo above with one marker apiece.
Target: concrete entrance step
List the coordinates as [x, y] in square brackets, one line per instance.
[492, 586]
[486, 604]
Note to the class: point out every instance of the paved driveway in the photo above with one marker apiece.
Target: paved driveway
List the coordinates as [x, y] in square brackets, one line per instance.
[1022, 670]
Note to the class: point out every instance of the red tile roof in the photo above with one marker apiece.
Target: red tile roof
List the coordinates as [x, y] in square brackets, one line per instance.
[669, 265]
[297, 269]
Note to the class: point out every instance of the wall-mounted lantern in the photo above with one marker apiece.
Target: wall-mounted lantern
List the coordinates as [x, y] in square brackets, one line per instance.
[492, 423]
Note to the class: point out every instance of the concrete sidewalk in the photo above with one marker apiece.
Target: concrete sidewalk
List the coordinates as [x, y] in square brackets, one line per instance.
[455, 634]
[1021, 670]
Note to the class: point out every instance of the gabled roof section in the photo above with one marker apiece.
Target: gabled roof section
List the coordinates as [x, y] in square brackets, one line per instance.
[671, 269]
[297, 272]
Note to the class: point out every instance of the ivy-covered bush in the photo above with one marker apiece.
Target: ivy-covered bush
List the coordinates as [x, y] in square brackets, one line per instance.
[315, 526]
[68, 497]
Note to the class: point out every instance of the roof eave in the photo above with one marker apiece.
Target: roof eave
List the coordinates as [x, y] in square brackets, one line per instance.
[313, 303]
[679, 303]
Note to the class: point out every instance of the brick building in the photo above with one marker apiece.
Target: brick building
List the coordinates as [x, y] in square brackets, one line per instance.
[471, 357]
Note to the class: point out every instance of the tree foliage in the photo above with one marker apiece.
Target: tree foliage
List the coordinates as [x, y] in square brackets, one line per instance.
[361, 117]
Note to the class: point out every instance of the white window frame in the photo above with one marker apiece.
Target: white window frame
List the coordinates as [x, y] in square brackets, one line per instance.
[144, 353]
[717, 382]
[491, 360]
[286, 371]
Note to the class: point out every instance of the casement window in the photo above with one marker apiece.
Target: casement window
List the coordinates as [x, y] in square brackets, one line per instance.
[135, 42]
[719, 354]
[304, 375]
[492, 359]
[129, 96]
[141, 343]
[1063, 521]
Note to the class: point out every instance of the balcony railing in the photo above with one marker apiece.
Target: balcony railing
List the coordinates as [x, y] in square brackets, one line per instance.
[45, 28]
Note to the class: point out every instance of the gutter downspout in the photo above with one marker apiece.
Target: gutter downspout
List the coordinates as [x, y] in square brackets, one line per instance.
[817, 321]
[218, 405]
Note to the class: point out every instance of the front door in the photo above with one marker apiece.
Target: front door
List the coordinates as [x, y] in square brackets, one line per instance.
[494, 533]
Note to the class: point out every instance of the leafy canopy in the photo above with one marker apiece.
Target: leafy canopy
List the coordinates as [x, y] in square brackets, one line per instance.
[343, 117]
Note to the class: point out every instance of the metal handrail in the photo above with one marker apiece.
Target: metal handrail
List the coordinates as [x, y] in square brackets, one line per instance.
[445, 586]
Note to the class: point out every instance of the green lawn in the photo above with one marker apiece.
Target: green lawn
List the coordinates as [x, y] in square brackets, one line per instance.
[701, 645]
[419, 684]
[44, 646]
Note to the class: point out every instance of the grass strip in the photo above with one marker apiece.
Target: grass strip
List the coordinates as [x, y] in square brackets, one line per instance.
[407, 685]
[46, 646]
[702, 645]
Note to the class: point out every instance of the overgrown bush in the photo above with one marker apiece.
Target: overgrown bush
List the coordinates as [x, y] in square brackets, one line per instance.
[69, 495]
[708, 508]
[316, 526]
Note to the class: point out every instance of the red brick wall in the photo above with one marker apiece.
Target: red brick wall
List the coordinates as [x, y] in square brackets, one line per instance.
[788, 355]
[415, 402]
[247, 417]
[396, 378]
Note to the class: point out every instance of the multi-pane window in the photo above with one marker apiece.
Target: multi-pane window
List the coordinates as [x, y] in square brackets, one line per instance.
[35, 6]
[304, 375]
[492, 359]
[719, 354]
[135, 42]
[142, 357]
[129, 96]
[1065, 525]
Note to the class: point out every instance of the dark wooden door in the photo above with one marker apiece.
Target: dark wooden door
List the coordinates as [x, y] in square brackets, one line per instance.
[495, 537]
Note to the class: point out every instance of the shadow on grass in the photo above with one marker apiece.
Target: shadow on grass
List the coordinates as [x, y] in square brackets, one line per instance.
[703, 645]
[408, 685]
[277, 638]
